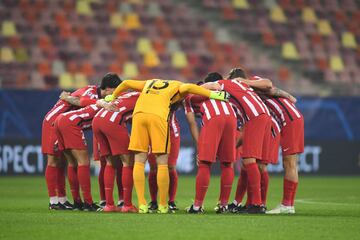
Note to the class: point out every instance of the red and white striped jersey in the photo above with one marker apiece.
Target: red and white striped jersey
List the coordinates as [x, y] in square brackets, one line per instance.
[191, 107]
[83, 116]
[244, 98]
[88, 92]
[210, 108]
[283, 109]
[125, 103]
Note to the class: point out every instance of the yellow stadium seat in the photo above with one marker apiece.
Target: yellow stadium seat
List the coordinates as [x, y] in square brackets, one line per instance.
[151, 59]
[277, 15]
[83, 7]
[135, 1]
[179, 60]
[289, 51]
[336, 64]
[309, 15]
[80, 80]
[116, 20]
[7, 55]
[21, 55]
[66, 81]
[132, 21]
[130, 70]
[144, 45]
[324, 27]
[240, 4]
[8, 29]
[348, 40]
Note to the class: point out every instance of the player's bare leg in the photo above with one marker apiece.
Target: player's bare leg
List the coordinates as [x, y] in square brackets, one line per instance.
[163, 181]
[83, 170]
[139, 180]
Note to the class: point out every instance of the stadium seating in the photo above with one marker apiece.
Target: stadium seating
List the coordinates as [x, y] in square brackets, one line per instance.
[320, 36]
[77, 41]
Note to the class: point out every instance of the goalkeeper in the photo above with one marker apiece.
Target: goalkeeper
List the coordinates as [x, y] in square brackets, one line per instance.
[150, 127]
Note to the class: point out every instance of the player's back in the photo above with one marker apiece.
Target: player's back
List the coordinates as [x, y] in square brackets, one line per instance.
[157, 97]
[62, 106]
[244, 98]
[125, 103]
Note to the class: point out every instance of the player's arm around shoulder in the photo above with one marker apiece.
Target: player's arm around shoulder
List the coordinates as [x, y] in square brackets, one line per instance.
[137, 85]
[263, 84]
[65, 96]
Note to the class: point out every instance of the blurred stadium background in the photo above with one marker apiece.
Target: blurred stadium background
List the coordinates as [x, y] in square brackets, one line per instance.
[308, 47]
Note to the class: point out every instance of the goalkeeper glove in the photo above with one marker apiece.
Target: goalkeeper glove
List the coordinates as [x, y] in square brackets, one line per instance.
[109, 98]
[220, 95]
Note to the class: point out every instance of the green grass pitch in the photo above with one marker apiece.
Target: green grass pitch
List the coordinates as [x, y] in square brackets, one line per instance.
[327, 208]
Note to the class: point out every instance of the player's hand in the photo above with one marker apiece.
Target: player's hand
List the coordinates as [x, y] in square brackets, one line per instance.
[63, 95]
[109, 98]
[111, 107]
[220, 95]
[292, 98]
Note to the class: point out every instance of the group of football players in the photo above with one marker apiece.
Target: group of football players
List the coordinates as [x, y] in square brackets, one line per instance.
[241, 117]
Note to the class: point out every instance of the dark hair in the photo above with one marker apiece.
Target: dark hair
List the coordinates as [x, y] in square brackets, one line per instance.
[199, 83]
[212, 77]
[110, 80]
[237, 72]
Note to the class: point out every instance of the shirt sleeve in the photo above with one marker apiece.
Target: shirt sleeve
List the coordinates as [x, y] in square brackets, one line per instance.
[129, 84]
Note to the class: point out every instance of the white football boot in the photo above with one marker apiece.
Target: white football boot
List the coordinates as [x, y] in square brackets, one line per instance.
[282, 209]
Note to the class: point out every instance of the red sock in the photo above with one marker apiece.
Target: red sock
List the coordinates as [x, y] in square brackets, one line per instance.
[227, 178]
[101, 180]
[61, 192]
[202, 183]
[293, 194]
[85, 184]
[173, 184]
[119, 182]
[128, 183]
[109, 177]
[51, 180]
[74, 183]
[241, 186]
[289, 192]
[253, 187]
[153, 185]
[264, 186]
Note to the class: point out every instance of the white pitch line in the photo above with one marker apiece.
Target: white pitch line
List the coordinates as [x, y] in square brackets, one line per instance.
[309, 201]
